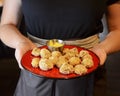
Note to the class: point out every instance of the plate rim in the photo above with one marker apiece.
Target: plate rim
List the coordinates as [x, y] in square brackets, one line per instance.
[65, 76]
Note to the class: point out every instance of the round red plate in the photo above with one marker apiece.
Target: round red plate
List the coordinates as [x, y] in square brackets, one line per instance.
[54, 73]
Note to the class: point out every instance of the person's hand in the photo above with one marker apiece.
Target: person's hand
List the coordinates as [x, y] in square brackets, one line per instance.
[100, 52]
[21, 49]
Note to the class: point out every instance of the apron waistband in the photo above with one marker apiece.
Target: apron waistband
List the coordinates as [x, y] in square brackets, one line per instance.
[88, 42]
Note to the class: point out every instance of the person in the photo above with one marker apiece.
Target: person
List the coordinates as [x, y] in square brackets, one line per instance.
[73, 20]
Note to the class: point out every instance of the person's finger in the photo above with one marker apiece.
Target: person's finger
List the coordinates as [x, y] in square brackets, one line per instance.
[101, 54]
[21, 50]
[18, 55]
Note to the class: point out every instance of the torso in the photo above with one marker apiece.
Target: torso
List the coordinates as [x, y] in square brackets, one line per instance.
[63, 19]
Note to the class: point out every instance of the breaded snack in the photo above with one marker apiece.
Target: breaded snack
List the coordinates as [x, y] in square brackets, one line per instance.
[80, 69]
[87, 56]
[45, 64]
[87, 62]
[35, 62]
[69, 55]
[45, 53]
[56, 54]
[74, 61]
[66, 69]
[82, 53]
[68, 61]
[35, 51]
[61, 60]
[53, 59]
[66, 50]
[74, 50]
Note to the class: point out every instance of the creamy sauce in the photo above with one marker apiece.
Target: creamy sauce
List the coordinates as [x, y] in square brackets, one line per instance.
[55, 44]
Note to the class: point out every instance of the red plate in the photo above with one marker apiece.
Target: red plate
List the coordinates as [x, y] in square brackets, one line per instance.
[54, 73]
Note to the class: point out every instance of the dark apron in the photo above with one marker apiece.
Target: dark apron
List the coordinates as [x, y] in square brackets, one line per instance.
[31, 85]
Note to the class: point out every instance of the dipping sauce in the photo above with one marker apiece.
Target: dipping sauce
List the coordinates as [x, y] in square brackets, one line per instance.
[54, 44]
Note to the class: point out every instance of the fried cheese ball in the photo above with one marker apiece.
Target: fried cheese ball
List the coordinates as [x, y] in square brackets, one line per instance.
[35, 51]
[54, 60]
[74, 51]
[69, 55]
[87, 56]
[35, 62]
[82, 53]
[87, 62]
[56, 54]
[45, 64]
[80, 69]
[45, 53]
[61, 60]
[74, 61]
[66, 69]
[66, 50]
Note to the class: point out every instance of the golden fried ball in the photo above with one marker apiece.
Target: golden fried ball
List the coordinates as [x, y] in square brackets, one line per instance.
[61, 60]
[66, 69]
[87, 56]
[56, 53]
[80, 69]
[74, 61]
[53, 59]
[45, 64]
[35, 62]
[69, 55]
[45, 53]
[87, 62]
[74, 50]
[82, 53]
[35, 51]
[66, 50]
